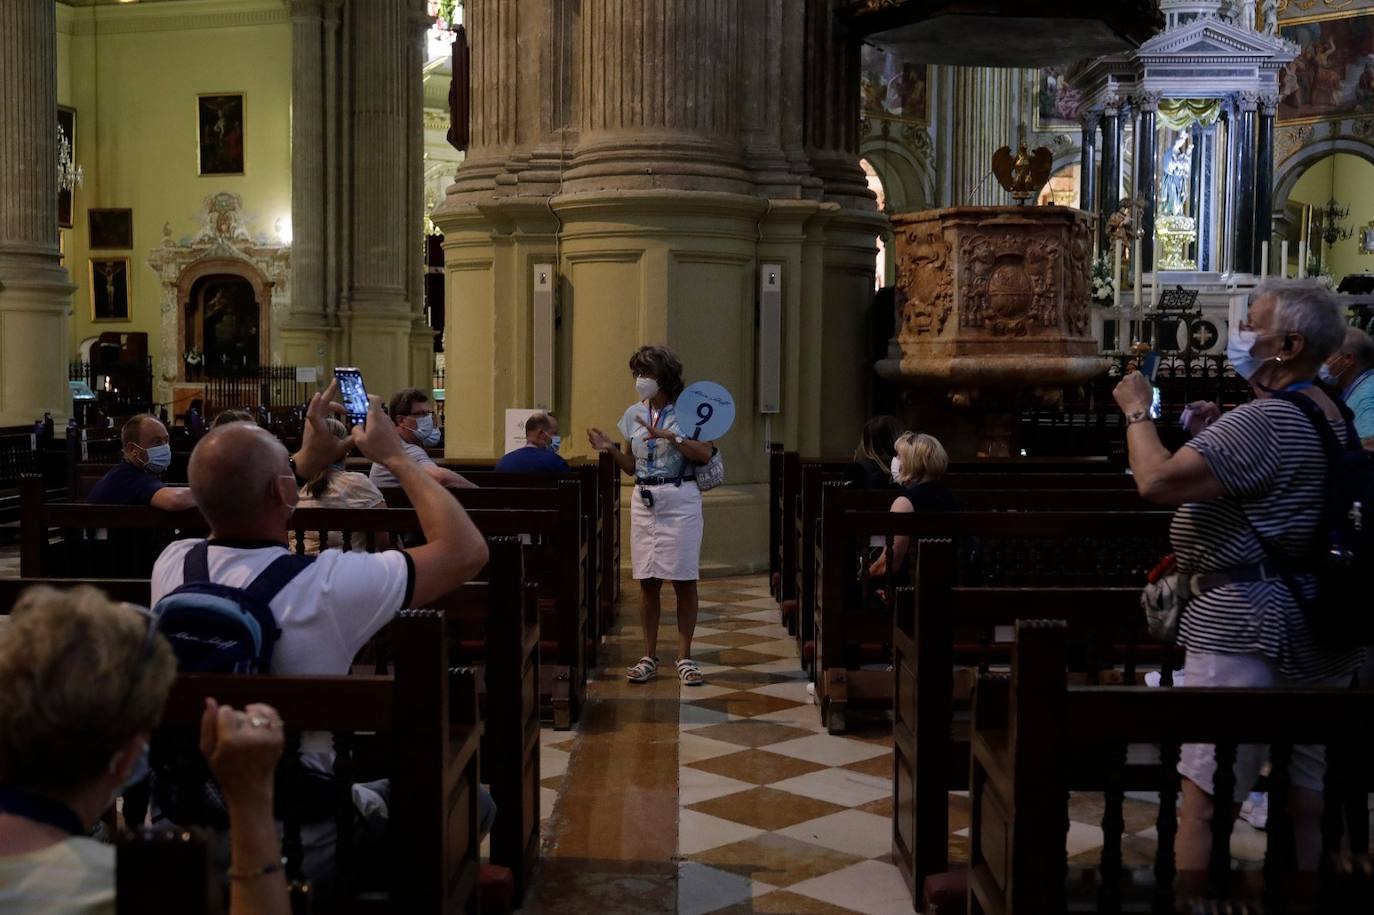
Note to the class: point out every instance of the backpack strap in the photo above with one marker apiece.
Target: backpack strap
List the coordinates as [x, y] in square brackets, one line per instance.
[1317, 417]
[276, 576]
[196, 565]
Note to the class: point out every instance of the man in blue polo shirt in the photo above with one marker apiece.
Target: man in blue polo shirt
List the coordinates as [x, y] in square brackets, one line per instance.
[1351, 369]
[540, 454]
[134, 480]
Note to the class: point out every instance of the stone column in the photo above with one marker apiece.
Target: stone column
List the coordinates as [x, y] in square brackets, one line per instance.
[304, 334]
[1243, 259]
[1111, 171]
[35, 291]
[1087, 169]
[1145, 192]
[382, 177]
[986, 106]
[1264, 178]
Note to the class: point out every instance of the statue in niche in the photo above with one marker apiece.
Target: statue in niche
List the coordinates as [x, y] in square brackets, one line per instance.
[1174, 184]
[1269, 12]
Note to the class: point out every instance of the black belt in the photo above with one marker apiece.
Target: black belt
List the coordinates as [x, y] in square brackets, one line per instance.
[1210, 581]
[661, 481]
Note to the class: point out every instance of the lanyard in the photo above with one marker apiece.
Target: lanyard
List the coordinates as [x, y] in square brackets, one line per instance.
[40, 809]
[1298, 386]
[650, 442]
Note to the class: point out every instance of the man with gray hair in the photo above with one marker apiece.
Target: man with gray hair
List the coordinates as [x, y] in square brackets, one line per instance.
[1350, 370]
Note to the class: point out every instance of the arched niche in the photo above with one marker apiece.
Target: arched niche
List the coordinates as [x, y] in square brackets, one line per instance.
[906, 178]
[1292, 168]
[201, 289]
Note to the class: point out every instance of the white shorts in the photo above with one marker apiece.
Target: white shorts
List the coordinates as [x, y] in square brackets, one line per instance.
[1197, 763]
[665, 540]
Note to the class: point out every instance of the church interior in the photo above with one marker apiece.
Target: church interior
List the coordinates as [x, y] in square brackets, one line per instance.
[1023, 256]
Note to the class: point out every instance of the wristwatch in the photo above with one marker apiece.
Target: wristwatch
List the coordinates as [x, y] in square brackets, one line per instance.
[677, 439]
[1137, 416]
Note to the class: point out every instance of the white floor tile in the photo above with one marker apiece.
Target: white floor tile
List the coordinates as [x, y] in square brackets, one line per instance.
[775, 631]
[792, 689]
[827, 749]
[802, 716]
[552, 762]
[702, 889]
[759, 603]
[849, 831]
[785, 667]
[690, 717]
[838, 786]
[706, 690]
[695, 786]
[872, 887]
[694, 748]
[778, 647]
[696, 832]
[547, 798]
[1083, 837]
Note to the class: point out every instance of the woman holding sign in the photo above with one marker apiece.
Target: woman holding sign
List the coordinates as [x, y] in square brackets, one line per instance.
[665, 516]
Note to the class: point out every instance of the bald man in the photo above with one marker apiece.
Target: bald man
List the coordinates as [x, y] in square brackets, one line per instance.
[540, 452]
[135, 480]
[1351, 369]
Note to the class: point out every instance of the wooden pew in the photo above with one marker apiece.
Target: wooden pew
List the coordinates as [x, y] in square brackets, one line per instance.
[937, 625]
[1063, 548]
[1036, 738]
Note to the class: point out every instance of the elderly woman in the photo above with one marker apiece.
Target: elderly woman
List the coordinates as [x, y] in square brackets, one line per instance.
[1257, 472]
[665, 516]
[84, 681]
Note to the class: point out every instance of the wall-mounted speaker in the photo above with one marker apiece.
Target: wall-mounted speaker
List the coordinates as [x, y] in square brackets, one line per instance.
[770, 338]
[542, 342]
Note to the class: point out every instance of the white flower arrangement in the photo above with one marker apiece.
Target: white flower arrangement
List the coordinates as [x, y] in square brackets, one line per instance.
[1104, 287]
[193, 357]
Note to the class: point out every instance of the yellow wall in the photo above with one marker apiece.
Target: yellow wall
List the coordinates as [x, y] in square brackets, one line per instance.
[1350, 180]
[133, 73]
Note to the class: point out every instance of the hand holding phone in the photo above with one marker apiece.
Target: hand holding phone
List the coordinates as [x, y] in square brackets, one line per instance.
[354, 394]
[1149, 367]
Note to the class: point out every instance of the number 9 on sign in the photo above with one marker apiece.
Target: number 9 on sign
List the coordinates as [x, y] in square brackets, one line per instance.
[706, 411]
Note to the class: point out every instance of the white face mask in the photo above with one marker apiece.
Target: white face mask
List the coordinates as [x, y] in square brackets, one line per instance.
[555, 442]
[896, 468]
[646, 388]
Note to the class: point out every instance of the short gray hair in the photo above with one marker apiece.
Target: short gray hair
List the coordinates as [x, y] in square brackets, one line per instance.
[1360, 345]
[1304, 307]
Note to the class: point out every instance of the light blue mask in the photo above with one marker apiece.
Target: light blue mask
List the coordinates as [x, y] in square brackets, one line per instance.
[1328, 377]
[556, 441]
[1238, 346]
[425, 431]
[158, 458]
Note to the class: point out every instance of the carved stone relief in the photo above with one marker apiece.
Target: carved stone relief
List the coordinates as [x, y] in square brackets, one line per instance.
[925, 291]
[1009, 282]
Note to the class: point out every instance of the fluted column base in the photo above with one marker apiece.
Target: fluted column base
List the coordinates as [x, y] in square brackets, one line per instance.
[35, 321]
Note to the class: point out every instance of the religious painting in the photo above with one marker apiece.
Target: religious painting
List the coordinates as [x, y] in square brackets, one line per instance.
[1367, 239]
[893, 89]
[226, 330]
[66, 126]
[1333, 74]
[220, 118]
[1057, 104]
[109, 279]
[111, 228]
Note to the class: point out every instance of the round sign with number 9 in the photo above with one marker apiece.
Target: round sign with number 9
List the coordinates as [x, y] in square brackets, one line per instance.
[706, 411]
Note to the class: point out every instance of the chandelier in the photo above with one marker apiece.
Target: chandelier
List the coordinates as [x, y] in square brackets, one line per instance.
[68, 172]
[1329, 219]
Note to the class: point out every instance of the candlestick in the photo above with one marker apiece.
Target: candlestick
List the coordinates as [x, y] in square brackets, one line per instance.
[1137, 291]
[1264, 258]
[1154, 283]
[1116, 273]
[1283, 258]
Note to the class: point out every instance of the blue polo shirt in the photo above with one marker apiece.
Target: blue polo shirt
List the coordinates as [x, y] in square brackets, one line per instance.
[1359, 397]
[125, 484]
[530, 459]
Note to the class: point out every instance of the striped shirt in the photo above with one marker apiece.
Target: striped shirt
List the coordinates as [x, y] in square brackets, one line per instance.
[1272, 470]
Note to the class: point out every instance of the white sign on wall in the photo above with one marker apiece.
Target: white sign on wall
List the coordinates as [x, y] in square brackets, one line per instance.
[515, 428]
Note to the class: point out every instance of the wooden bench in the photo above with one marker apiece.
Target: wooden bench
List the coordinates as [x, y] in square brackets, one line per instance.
[1036, 738]
[1063, 548]
[937, 625]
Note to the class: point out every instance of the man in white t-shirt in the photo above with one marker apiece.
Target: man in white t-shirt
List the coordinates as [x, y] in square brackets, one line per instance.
[246, 489]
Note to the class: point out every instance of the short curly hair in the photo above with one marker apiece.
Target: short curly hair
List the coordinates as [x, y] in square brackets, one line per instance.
[660, 364]
[77, 686]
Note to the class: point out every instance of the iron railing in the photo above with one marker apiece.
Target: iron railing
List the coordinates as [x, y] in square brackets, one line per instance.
[273, 387]
[121, 388]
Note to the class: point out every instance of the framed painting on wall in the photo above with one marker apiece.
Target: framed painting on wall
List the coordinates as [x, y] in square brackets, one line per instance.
[220, 120]
[1333, 75]
[1057, 104]
[109, 279]
[66, 125]
[111, 228]
[892, 89]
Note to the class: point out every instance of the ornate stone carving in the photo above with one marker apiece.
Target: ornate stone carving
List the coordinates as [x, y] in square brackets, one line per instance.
[1148, 100]
[1291, 138]
[1269, 103]
[925, 291]
[1247, 100]
[1009, 282]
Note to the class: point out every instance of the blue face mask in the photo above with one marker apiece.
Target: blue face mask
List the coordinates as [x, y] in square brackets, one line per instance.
[425, 431]
[555, 442]
[157, 458]
[1328, 377]
[1238, 346]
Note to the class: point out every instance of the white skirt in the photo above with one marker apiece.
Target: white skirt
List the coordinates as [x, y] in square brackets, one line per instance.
[665, 541]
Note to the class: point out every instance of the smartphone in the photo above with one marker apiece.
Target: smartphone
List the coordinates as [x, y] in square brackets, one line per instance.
[354, 393]
[1149, 367]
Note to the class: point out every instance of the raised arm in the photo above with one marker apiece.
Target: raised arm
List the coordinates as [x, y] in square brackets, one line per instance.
[602, 442]
[455, 549]
[1168, 479]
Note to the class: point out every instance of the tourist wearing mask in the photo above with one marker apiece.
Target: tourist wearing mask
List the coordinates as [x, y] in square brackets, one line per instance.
[1350, 372]
[1250, 491]
[539, 454]
[921, 465]
[665, 511]
[413, 413]
[135, 480]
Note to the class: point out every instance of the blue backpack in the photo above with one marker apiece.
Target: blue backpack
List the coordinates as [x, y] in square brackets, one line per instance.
[216, 628]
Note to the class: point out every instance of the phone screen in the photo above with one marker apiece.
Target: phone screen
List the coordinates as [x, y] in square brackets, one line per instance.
[354, 394]
[1149, 366]
[1156, 408]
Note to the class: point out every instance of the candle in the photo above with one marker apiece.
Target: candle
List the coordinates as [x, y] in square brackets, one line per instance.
[1302, 258]
[1116, 273]
[1283, 258]
[1264, 258]
[1154, 282]
[1137, 291]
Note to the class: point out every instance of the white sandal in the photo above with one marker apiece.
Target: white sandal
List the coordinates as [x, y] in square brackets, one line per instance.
[689, 673]
[644, 671]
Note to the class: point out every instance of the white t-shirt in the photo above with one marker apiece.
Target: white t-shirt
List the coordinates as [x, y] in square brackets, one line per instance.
[383, 478]
[73, 877]
[326, 613]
